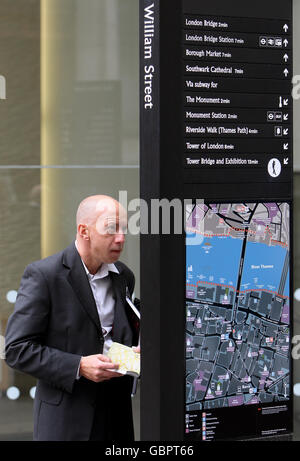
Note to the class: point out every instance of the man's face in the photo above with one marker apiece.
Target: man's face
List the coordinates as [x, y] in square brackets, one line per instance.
[107, 235]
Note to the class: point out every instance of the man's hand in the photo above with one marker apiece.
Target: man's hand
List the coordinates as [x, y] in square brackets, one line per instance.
[137, 349]
[97, 368]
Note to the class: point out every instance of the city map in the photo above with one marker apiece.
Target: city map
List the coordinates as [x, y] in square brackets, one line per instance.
[237, 304]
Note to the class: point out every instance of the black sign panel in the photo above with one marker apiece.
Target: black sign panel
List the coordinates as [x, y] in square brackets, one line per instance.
[236, 40]
[258, 61]
[233, 24]
[243, 100]
[238, 115]
[263, 56]
[217, 135]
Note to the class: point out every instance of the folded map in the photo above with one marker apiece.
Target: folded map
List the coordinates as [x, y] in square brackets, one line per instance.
[128, 360]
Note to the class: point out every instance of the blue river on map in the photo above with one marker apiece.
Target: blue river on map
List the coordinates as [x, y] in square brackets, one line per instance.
[217, 260]
[255, 272]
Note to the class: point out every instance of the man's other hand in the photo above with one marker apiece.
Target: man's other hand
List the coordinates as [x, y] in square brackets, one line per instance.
[98, 368]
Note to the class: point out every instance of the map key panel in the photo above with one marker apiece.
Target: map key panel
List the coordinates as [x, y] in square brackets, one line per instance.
[237, 309]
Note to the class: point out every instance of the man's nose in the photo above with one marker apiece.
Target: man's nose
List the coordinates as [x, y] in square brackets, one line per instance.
[120, 237]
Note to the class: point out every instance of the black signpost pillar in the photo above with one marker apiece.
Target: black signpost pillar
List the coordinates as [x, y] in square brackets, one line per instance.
[216, 247]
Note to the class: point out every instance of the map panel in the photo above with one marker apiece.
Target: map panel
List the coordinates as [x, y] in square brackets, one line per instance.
[237, 304]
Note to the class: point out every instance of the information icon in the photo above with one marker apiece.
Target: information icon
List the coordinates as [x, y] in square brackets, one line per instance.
[274, 167]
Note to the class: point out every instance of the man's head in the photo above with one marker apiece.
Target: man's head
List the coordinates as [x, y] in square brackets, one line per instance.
[101, 226]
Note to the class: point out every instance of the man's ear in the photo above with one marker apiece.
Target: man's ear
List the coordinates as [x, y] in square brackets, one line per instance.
[83, 231]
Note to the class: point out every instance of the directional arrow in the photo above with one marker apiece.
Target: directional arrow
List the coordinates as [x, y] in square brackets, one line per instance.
[286, 102]
[286, 131]
[285, 117]
[285, 42]
[285, 28]
[286, 57]
[286, 161]
[286, 72]
[285, 146]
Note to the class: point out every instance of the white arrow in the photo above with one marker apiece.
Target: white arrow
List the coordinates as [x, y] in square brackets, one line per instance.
[286, 131]
[286, 102]
[286, 72]
[285, 28]
[286, 57]
[286, 146]
[286, 161]
[285, 42]
[285, 117]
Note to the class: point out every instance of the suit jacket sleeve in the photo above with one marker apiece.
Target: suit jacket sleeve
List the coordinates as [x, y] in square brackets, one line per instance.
[26, 332]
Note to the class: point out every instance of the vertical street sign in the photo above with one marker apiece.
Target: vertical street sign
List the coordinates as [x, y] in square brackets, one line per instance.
[216, 135]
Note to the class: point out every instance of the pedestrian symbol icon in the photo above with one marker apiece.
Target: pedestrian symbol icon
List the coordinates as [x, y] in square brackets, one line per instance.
[274, 167]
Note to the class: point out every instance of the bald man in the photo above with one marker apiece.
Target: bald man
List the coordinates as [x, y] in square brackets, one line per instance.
[70, 307]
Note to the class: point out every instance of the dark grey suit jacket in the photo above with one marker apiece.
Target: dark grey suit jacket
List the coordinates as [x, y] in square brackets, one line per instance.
[54, 323]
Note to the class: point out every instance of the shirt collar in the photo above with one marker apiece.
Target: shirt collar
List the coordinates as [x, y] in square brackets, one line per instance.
[103, 270]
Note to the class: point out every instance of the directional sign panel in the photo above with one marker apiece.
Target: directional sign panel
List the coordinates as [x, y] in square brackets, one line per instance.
[217, 155]
[252, 58]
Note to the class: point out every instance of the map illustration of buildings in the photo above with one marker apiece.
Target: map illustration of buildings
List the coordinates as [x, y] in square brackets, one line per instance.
[237, 304]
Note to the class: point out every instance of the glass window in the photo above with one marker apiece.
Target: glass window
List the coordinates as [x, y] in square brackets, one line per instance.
[69, 129]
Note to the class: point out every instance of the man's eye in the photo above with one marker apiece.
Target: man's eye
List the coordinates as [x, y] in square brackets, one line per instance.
[115, 229]
[111, 230]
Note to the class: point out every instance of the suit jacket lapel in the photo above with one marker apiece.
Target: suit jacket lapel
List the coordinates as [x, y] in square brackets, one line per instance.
[78, 279]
